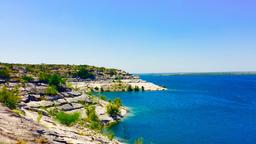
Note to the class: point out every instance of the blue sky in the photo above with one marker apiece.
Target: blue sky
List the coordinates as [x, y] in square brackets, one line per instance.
[134, 35]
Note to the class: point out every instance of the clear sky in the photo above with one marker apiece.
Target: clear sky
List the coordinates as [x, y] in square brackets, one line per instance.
[133, 35]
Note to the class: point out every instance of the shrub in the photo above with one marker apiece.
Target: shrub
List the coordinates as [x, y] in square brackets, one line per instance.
[67, 119]
[9, 98]
[95, 125]
[103, 97]
[110, 135]
[27, 79]
[118, 102]
[91, 114]
[43, 77]
[136, 88]
[4, 74]
[93, 119]
[96, 88]
[51, 90]
[111, 72]
[129, 88]
[53, 111]
[55, 80]
[19, 112]
[113, 109]
[84, 74]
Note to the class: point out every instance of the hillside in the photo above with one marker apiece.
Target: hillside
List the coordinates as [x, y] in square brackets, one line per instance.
[58, 100]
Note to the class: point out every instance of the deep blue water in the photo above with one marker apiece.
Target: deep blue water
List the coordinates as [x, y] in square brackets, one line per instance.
[194, 110]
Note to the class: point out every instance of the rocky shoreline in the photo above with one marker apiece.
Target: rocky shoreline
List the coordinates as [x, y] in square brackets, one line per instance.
[32, 105]
[121, 85]
[54, 104]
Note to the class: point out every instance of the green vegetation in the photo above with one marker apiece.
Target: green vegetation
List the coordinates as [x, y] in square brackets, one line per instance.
[109, 134]
[111, 71]
[19, 112]
[9, 98]
[139, 141]
[96, 88]
[129, 88]
[27, 79]
[43, 72]
[136, 88]
[118, 102]
[53, 111]
[103, 97]
[67, 119]
[69, 85]
[40, 116]
[113, 107]
[43, 77]
[4, 74]
[55, 82]
[51, 90]
[92, 118]
[84, 74]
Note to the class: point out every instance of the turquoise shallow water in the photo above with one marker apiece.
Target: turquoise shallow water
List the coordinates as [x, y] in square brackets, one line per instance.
[210, 109]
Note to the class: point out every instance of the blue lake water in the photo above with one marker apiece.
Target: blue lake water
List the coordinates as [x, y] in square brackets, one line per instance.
[196, 109]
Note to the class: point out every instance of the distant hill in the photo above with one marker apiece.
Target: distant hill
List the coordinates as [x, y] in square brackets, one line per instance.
[202, 73]
[15, 72]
